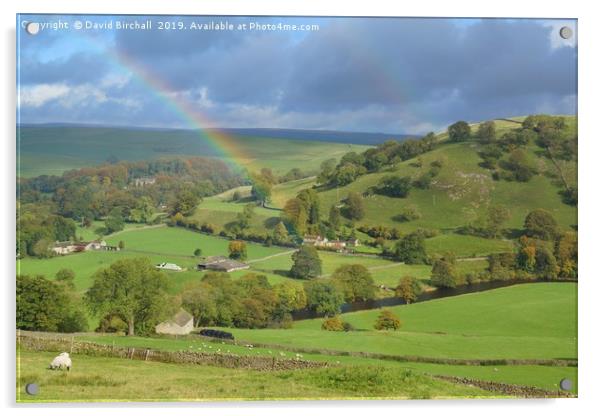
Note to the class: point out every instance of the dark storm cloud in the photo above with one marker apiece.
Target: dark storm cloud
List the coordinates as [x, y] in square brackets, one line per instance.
[415, 63]
[243, 67]
[79, 68]
[367, 74]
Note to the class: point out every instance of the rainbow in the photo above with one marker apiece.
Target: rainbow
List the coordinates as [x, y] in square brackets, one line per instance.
[224, 145]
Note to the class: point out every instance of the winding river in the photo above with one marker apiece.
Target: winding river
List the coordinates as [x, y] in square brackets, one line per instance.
[425, 296]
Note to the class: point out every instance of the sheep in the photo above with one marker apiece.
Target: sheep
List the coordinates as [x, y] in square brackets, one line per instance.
[61, 361]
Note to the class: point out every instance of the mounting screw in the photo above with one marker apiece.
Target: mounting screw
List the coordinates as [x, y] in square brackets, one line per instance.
[566, 32]
[32, 389]
[32, 28]
[566, 384]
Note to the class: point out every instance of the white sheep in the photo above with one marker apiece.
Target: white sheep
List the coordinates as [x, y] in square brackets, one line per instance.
[61, 361]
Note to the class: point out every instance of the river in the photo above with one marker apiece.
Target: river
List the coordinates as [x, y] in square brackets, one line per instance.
[425, 296]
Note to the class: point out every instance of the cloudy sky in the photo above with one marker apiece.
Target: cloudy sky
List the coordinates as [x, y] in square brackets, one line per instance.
[355, 74]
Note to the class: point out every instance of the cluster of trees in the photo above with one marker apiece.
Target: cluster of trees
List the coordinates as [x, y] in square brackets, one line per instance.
[400, 187]
[409, 249]
[302, 213]
[38, 228]
[491, 225]
[248, 302]
[47, 305]
[386, 320]
[506, 156]
[49, 206]
[543, 252]
[353, 164]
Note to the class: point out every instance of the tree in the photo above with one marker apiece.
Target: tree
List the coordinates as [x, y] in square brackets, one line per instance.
[244, 218]
[121, 244]
[185, 203]
[132, 289]
[546, 266]
[411, 249]
[395, 186]
[295, 214]
[565, 251]
[326, 169]
[408, 289]
[334, 323]
[486, 132]
[198, 299]
[41, 304]
[354, 208]
[143, 211]
[311, 203]
[306, 263]
[355, 281]
[334, 218]
[324, 297]
[198, 252]
[540, 223]
[497, 215]
[387, 320]
[280, 233]
[261, 190]
[443, 273]
[519, 165]
[459, 131]
[114, 221]
[237, 250]
[290, 297]
[66, 276]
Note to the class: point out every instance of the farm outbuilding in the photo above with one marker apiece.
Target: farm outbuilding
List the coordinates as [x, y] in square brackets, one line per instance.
[221, 264]
[182, 323]
[169, 266]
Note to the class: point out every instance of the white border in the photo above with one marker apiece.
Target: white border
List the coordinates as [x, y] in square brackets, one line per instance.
[590, 154]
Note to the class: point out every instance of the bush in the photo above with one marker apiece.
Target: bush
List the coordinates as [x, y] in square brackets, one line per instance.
[112, 324]
[387, 320]
[333, 324]
[410, 213]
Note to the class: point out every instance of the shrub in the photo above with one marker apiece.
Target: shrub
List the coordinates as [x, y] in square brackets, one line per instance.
[387, 320]
[334, 323]
[409, 213]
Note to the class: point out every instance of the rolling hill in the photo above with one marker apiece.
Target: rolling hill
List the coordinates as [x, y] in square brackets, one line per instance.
[53, 149]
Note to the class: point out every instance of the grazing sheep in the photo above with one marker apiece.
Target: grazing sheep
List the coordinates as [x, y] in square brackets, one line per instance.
[61, 361]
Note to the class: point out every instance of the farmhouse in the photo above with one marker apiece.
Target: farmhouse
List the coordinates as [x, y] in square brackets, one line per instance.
[221, 264]
[323, 242]
[169, 266]
[144, 181]
[182, 323]
[66, 247]
[315, 240]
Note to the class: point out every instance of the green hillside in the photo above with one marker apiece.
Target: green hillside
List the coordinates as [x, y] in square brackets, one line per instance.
[463, 190]
[525, 321]
[55, 149]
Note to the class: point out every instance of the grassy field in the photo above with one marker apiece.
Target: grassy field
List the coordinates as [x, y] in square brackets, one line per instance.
[176, 245]
[53, 150]
[524, 321]
[539, 323]
[112, 379]
[546, 377]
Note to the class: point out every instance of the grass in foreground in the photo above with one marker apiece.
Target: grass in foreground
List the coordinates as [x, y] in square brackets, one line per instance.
[545, 377]
[112, 379]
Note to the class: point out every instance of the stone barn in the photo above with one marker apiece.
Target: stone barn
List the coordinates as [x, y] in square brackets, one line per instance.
[182, 323]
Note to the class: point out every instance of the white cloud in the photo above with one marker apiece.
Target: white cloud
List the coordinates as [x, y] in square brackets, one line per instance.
[69, 96]
[38, 95]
